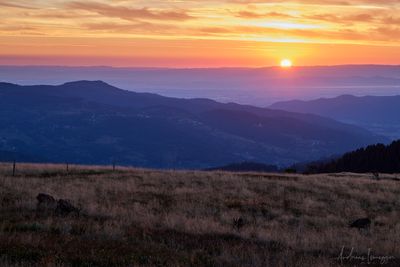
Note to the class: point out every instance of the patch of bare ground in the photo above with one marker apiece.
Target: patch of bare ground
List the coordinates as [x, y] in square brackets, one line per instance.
[135, 217]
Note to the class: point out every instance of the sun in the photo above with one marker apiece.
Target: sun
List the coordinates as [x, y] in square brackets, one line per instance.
[286, 63]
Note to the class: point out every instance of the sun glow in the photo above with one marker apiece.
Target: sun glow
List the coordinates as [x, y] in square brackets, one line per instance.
[286, 63]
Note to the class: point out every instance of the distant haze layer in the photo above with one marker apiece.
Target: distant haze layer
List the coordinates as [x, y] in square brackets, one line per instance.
[255, 86]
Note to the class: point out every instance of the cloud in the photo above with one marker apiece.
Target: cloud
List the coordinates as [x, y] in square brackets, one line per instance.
[346, 35]
[363, 17]
[389, 33]
[15, 4]
[128, 13]
[254, 15]
[321, 2]
[391, 20]
[372, 19]
[361, 21]
[215, 30]
[131, 28]
[54, 14]
[17, 28]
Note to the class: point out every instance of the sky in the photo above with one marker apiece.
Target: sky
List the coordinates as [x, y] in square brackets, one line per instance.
[204, 33]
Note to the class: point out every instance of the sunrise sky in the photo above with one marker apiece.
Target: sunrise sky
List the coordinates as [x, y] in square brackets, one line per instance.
[203, 33]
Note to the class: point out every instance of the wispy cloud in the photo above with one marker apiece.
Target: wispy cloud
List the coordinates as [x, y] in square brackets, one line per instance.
[128, 13]
[321, 2]
[256, 15]
[334, 18]
[130, 28]
[16, 4]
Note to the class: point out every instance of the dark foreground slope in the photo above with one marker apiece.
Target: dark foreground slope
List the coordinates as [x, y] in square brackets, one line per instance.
[150, 218]
[93, 122]
[374, 158]
[245, 167]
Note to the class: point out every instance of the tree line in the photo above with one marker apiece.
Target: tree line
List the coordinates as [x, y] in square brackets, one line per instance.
[375, 158]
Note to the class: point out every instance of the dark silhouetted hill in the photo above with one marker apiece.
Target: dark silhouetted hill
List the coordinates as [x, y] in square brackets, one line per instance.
[374, 158]
[379, 114]
[96, 123]
[9, 156]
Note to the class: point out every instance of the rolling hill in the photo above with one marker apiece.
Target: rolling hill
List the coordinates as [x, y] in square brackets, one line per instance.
[379, 114]
[95, 123]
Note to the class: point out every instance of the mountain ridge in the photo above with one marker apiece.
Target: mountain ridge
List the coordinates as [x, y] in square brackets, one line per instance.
[93, 122]
[254, 86]
[379, 114]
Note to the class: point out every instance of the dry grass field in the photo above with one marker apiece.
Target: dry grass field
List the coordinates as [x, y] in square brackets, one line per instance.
[135, 217]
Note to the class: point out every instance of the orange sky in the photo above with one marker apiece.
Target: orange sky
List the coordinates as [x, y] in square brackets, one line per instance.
[204, 33]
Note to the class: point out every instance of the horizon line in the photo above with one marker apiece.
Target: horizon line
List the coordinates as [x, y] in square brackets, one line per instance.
[191, 68]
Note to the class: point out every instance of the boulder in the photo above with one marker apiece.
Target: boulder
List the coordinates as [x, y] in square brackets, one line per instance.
[238, 223]
[65, 207]
[362, 223]
[45, 202]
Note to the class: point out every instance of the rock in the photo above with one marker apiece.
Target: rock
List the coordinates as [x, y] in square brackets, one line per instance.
[362, 223]
[45, 202]
[238, 223]
[64, 207]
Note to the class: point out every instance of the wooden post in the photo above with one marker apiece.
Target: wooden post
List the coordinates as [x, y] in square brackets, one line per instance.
[14, 166]
[67, 167]
[114, 166]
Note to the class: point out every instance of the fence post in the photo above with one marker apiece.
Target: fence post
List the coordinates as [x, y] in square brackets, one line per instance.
[14, 166]
[67, 167]
[114, 166]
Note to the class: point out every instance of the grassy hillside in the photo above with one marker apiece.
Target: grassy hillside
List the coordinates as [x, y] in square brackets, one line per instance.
[134, 217]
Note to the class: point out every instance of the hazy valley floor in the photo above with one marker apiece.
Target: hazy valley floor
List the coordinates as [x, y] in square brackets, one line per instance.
[134, 217]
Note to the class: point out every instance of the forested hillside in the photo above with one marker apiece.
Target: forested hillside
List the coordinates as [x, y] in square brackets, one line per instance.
[374, 158]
